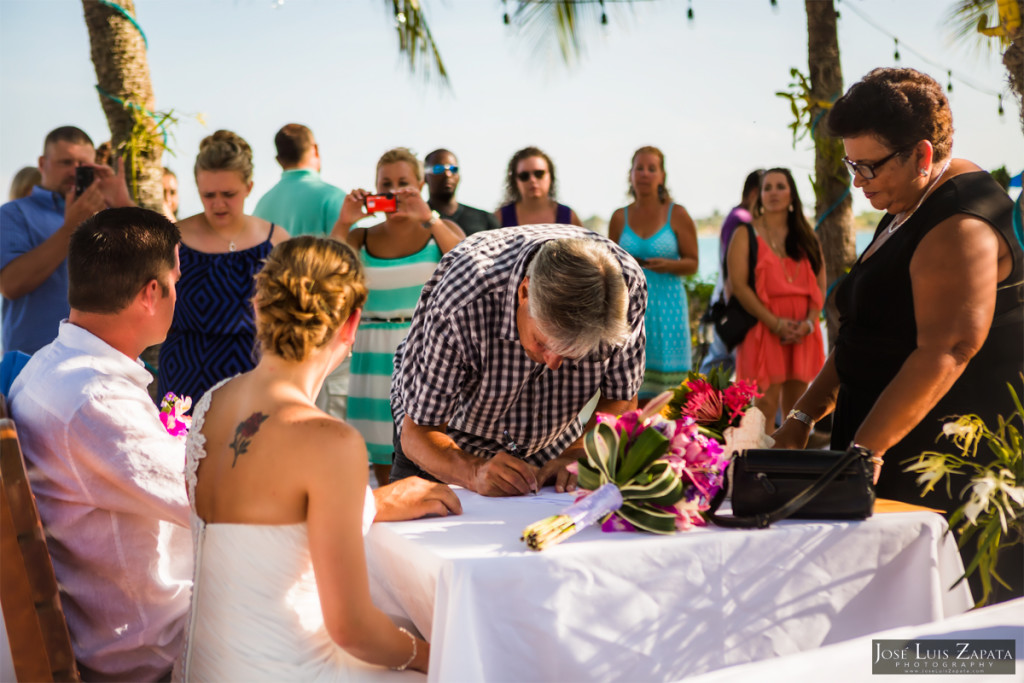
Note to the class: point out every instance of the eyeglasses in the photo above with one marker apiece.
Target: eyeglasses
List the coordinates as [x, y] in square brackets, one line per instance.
[867, 171]
[525, 175]
[440, 169]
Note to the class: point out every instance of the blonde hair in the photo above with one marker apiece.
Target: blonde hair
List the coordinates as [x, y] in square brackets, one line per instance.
[225, 151]
[23, 182]
[307, 289]
[398, 154]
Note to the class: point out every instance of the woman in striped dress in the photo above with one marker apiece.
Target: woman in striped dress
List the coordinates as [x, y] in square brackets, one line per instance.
[398, 256]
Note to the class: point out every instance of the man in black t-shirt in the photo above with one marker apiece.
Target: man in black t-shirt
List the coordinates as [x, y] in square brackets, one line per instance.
[442, 171]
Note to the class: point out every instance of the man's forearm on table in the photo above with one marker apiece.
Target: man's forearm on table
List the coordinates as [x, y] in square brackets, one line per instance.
[433, 451]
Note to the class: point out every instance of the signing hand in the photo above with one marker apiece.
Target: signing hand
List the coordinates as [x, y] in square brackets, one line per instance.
[504, 475]
[412, 498]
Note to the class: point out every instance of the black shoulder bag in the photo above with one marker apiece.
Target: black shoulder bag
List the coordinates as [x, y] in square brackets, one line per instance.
[772, 484]
[731, 320]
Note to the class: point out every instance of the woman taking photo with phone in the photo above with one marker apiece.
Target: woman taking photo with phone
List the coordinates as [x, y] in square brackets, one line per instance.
[530, 192]
[213, 333]
[398, 256]
[661, 236]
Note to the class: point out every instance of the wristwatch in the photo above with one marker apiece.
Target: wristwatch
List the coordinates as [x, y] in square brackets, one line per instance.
[801, 416]
[434, 216]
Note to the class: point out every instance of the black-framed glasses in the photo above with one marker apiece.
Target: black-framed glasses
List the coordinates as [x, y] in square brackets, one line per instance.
[525, 175]
[440, 169]
[868, 171]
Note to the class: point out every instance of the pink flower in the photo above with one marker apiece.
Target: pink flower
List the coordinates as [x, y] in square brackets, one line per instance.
[704, 402]
[738, 396]
[616, 523]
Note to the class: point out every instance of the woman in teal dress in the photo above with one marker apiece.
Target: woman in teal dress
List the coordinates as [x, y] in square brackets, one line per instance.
[398, 256]
[661, 236]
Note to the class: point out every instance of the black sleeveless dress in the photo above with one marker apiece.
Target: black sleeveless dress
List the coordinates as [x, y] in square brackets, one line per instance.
[877, 332]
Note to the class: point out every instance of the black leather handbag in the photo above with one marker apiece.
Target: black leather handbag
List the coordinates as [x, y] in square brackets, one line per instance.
[772, 484]
[731, 320]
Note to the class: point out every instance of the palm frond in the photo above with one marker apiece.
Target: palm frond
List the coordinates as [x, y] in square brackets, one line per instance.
[963, 20]
[415, 40]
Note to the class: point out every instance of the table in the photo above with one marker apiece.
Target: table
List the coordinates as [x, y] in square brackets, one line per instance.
[603, 607]
[850, 662]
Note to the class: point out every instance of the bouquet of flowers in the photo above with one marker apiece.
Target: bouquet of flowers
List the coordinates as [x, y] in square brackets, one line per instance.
[712, 401]
[172, 414]
[995, 507]
[642, 471]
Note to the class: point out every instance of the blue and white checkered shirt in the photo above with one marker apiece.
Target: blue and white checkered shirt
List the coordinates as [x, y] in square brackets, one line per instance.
[462, 363]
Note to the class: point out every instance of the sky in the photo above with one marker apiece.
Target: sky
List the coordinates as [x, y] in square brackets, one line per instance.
[702, 91]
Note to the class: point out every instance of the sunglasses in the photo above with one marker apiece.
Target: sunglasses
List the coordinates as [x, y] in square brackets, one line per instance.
[867, 171]
[525, 175]
[440, 169]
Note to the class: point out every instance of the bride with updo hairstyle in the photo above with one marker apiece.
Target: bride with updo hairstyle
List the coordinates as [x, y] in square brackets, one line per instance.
[212, 334]
[279, 497]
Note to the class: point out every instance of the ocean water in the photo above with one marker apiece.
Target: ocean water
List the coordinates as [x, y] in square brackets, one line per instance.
[708, 253]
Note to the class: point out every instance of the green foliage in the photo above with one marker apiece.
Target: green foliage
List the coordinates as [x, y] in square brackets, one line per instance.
[148, 137]
[993, 516]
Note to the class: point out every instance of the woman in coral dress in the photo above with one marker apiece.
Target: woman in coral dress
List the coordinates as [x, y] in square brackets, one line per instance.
[784, 351]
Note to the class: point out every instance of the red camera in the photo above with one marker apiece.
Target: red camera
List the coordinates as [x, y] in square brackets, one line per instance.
[381, 203]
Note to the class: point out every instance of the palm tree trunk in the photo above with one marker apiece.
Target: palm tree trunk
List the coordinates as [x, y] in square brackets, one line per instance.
[833, 206]
[1013, 60]
[122, 72]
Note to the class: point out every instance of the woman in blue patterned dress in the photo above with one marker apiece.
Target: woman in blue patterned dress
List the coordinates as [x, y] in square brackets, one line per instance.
[213, 333]
[661, 236]
[398, 256]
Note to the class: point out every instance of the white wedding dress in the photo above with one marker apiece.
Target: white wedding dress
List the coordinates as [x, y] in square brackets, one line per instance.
[255, 612]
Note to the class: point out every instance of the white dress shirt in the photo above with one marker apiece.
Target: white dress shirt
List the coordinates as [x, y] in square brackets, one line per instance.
[109, 482]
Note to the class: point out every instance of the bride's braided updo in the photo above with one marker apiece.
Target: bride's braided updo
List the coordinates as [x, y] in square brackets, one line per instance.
[307, 289]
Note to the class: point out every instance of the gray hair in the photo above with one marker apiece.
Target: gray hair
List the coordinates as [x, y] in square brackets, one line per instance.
[577, 296]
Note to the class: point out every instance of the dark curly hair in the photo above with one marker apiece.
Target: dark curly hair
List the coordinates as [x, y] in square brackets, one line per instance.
[900, 106]
[512, 194]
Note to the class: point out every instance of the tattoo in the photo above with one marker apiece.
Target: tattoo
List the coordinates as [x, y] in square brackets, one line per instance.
[244, 433]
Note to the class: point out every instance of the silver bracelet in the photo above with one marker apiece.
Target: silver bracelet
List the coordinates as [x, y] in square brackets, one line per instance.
[412, 656]
[801, 416]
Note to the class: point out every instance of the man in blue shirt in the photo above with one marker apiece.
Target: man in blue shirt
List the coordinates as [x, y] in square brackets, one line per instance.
[34, 236]
[301, 202]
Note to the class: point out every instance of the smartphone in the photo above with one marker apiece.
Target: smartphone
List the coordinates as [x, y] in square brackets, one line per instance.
[84, 175]
[381, 203]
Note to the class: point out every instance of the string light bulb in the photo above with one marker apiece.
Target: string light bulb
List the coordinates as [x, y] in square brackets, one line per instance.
[896, 51]
[604, 17]
[505, 19]
[949, 85]
[1001, 104]
[689, 10]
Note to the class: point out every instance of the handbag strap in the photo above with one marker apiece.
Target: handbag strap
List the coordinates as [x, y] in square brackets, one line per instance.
[764, 519]
[751, 259]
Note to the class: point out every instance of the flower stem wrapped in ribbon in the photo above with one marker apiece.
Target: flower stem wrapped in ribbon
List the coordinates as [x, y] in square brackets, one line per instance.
[642, 472]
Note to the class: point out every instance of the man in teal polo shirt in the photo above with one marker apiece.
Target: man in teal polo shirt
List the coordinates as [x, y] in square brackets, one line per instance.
[301, 202]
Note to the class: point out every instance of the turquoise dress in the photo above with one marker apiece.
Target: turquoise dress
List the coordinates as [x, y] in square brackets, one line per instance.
[668, 311]
[394, 288]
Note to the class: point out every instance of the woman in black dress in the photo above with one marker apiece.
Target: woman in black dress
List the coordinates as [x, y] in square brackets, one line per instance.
[931, 314]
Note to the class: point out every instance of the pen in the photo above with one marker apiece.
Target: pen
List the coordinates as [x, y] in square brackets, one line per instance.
[512, 447]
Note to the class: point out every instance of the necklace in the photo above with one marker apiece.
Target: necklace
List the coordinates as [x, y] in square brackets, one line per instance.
[231, 242]
[781, 254]
[898, 222]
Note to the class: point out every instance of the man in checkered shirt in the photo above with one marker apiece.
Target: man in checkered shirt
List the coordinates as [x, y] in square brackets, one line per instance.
[516, 330]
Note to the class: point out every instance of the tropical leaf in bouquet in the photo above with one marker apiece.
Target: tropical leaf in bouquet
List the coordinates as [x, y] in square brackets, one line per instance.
[648, 447]
[658, 486]
[588, 478]
[602, 446]
[648, 519]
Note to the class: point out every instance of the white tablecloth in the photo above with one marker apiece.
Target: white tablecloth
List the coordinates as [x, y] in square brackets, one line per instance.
[850, 662]
[603, 607]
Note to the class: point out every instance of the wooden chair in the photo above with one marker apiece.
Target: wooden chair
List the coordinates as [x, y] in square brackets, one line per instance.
[36, 629]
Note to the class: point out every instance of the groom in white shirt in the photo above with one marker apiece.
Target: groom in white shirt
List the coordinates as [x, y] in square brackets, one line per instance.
[106, 474]
[107, 477]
